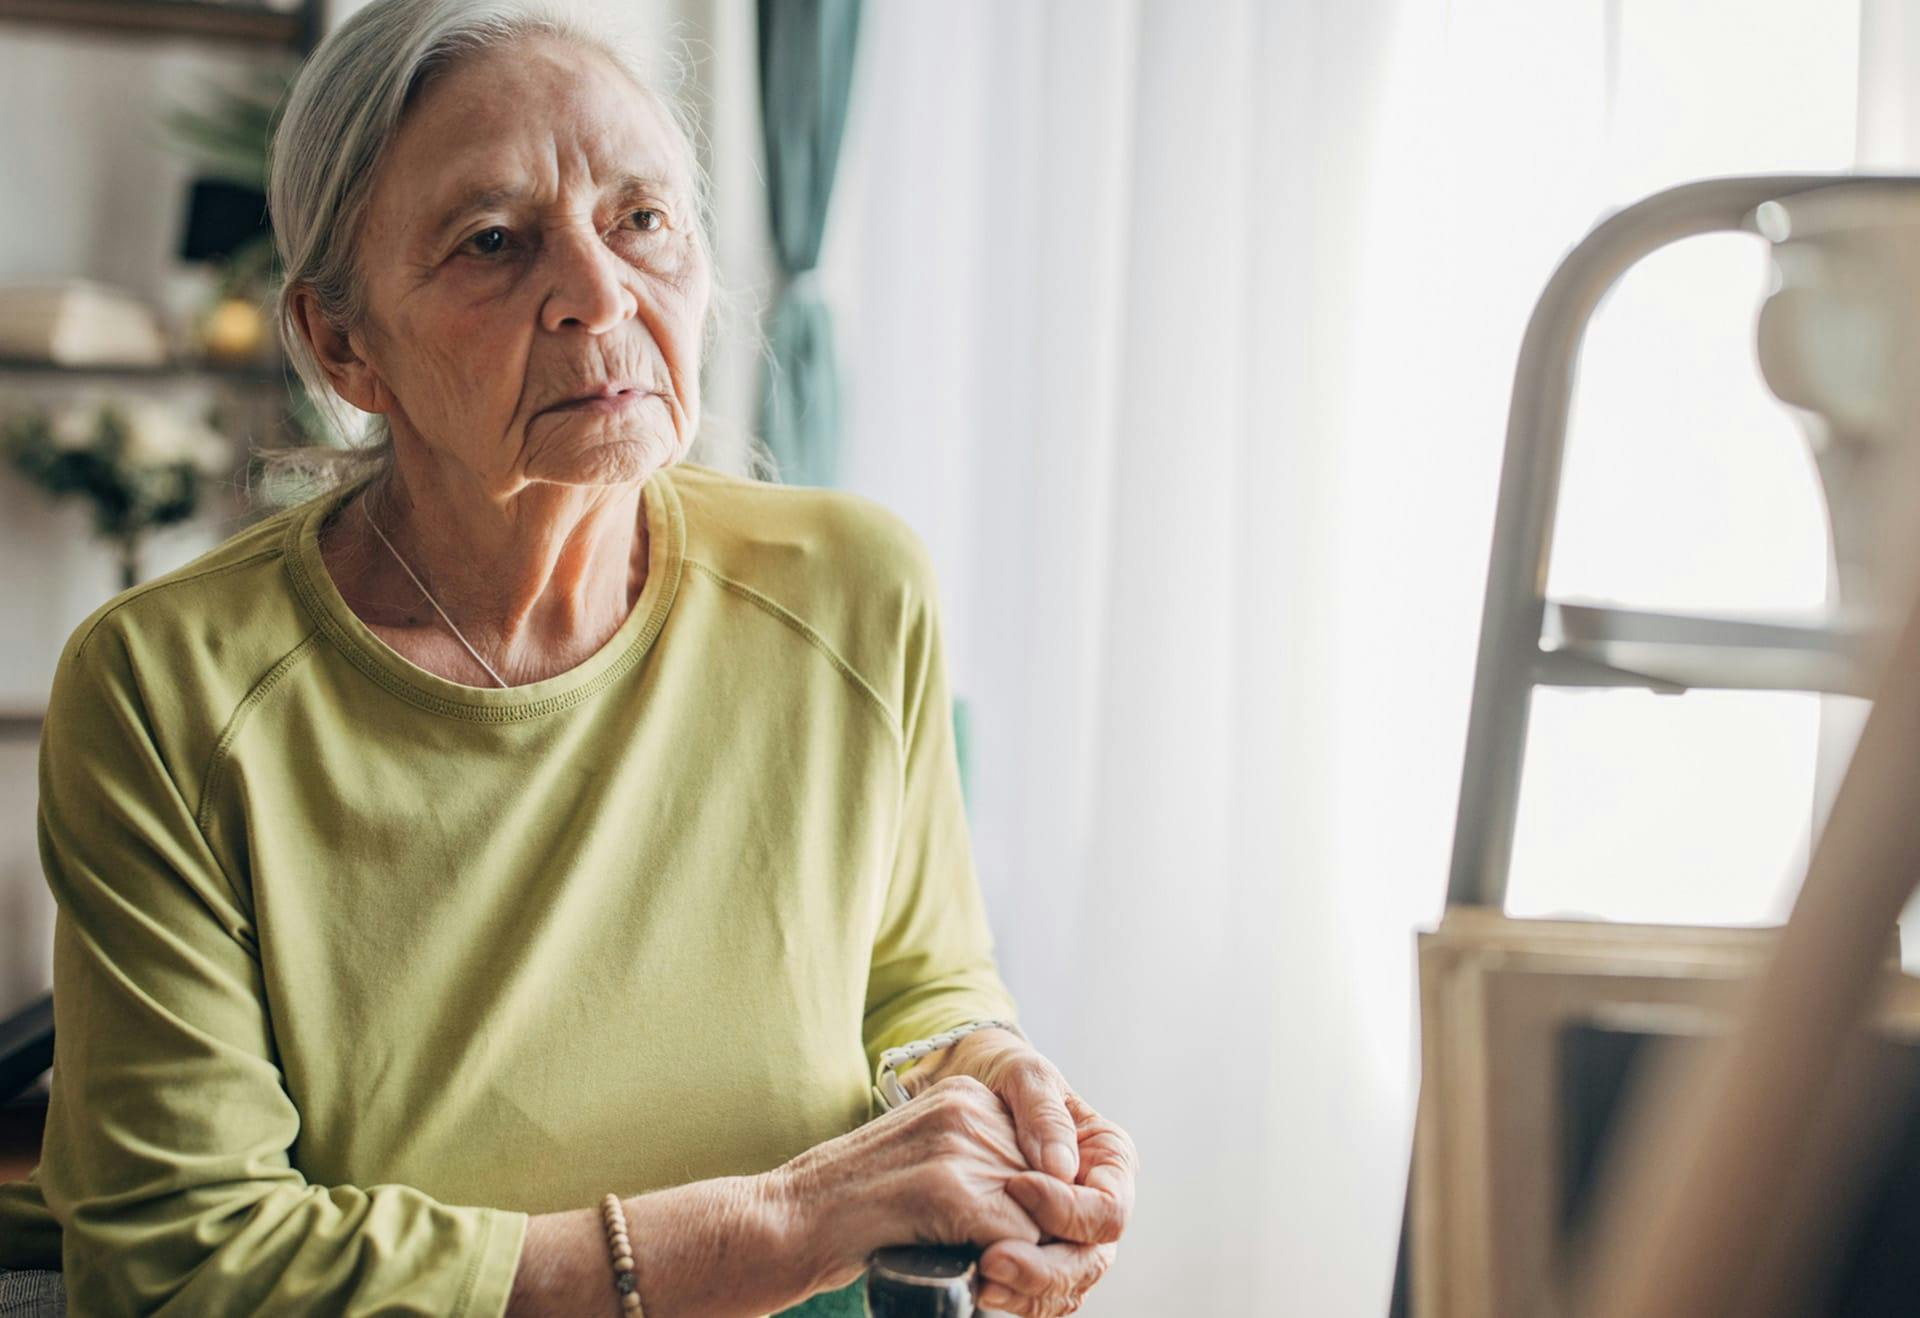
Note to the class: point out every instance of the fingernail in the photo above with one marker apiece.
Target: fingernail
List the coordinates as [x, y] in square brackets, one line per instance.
[999, 1267]
[993, 1297]
[1062, 1160]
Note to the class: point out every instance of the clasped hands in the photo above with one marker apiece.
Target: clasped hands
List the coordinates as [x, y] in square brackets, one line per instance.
[1078, 1187]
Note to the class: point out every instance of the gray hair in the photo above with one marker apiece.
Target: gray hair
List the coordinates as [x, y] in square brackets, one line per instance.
[340, 116]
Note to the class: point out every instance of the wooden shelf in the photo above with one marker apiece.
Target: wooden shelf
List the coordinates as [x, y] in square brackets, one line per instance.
[264, 373]
[19, 723]
[293, 31]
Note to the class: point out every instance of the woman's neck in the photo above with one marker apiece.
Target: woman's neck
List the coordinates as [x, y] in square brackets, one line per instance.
[537, 579]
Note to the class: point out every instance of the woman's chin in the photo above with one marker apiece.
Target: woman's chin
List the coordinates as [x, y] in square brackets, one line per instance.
[613, 456]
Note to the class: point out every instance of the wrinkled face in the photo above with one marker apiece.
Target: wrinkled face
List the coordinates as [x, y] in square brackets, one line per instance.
[531, 238]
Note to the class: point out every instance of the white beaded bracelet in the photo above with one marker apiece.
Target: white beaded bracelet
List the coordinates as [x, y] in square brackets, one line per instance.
[887, 1084]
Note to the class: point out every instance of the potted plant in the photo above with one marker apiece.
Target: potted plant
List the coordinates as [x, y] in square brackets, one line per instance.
[142, 464]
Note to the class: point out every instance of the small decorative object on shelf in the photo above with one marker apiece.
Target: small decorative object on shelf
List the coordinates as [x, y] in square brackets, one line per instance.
[228, 271]
[227, 231]
[140, 461]
[78, 322]
[234, 331]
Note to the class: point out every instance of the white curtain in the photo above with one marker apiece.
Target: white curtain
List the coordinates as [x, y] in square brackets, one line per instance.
[1184, 333]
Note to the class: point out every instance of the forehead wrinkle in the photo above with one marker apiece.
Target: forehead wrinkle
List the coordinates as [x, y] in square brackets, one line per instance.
[580, 128]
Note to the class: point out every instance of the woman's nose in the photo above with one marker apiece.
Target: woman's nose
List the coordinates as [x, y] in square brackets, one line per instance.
[589, 288]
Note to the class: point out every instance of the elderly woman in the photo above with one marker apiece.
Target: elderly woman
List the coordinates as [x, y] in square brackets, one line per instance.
[490, 885]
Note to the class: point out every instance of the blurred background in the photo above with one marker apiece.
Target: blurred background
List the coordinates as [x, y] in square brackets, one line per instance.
[1183, 333]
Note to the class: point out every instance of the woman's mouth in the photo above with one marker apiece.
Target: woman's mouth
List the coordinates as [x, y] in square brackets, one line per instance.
[619, 402]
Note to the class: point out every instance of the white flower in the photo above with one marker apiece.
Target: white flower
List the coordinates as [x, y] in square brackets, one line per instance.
[213, 454]
[149, 436]
[159, 435]
[73, 426]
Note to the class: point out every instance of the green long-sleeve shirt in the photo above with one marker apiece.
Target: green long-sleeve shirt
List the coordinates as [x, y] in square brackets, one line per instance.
[356, 967]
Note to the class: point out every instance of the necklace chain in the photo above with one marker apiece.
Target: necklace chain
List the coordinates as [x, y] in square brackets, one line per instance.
[429, 594]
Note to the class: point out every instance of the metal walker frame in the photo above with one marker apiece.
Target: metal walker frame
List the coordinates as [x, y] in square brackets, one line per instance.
[1529, 640]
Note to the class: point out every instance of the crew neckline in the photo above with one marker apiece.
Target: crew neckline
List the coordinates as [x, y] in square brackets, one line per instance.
[666, 553]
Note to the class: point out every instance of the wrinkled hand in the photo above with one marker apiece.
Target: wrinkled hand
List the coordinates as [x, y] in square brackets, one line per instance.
[1082, 1198]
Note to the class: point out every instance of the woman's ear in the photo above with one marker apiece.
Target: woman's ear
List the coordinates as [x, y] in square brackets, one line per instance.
[350, 374]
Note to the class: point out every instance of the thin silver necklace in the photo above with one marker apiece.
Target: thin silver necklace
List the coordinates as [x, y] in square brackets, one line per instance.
[429, 594]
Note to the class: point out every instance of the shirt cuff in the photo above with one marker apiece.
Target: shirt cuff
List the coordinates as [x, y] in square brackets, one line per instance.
[490, 1284]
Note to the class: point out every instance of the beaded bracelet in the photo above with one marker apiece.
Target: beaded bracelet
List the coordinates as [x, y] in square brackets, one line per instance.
[615, 1214]
[887, 1084]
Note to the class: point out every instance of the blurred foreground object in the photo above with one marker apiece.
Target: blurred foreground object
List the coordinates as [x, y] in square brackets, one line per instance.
[78, 322]
[1747, 1161]
[141, 463]
[1749, 1158]
[1839, 340]
[1530, 1028]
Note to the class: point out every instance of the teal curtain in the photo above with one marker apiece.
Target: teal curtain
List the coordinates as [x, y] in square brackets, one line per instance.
[806, 73]
[806, 70]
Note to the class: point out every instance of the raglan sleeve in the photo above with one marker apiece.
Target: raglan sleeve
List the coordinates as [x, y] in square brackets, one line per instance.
[933, 964]
[166, 1159]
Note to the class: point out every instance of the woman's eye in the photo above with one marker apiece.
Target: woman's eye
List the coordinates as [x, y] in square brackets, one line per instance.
[650, 221]
[481, 238]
